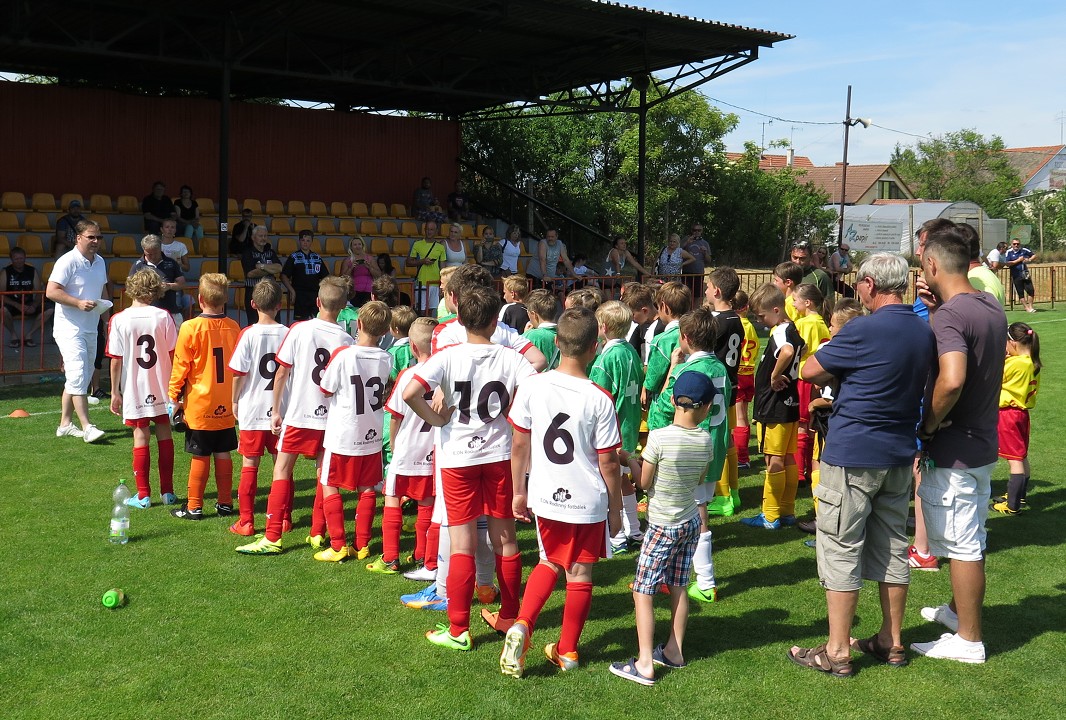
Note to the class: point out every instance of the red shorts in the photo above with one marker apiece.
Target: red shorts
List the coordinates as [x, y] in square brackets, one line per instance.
[564, 543]
[745, 388]
[804, 389]
[256, 443]
[1013, 433]
[300, 441]
[351, 472]
[470, 492]
[416, 487]
[163, 419]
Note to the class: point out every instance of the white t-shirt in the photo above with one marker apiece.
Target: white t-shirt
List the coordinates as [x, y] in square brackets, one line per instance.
[306, 349]
[479, 382]
[175, 250]
[511, 253]
[83, 280]
[994, 256]
[453, 332]
[143, 338]
[412, 446]
[355, 381]
[570, 421]
[255, 359]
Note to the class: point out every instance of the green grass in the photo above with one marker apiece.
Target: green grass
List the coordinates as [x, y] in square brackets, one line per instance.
[208, 633]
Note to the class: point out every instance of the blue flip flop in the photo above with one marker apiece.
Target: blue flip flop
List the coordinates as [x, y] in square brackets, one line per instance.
[658, 657]
[628, 671]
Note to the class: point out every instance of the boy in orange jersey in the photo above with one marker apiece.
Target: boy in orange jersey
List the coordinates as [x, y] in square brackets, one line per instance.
[302, 358]
[254, 366]
[201, 387]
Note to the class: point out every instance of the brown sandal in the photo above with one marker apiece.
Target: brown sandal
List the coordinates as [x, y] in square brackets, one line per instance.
[895, 656]
[818, 659]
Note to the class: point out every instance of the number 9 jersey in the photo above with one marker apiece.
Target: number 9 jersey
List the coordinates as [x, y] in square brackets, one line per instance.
[255, 359]
[143, 339]
[570, 421]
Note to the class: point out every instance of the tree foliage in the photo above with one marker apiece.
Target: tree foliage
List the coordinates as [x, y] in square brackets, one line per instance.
[961, 165]
[1045, 212]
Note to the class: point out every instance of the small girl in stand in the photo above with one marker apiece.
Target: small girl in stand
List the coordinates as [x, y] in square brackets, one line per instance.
[1021, 380]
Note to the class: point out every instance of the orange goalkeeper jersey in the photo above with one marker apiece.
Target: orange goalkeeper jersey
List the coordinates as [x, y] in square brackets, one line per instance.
[201, 370]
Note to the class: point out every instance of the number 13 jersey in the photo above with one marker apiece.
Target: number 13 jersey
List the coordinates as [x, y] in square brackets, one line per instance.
[355, 379]
[306, 349]
[570, 421]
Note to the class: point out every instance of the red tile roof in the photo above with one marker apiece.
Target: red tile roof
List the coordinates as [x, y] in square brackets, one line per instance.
[860, 179]
[768, 162]
[1028, 160]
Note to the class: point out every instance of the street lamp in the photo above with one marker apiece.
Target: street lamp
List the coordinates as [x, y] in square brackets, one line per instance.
[848, 123]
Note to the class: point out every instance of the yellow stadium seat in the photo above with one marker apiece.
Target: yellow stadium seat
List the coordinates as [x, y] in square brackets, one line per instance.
[297, 208]
[339, 210]
[468, 231]
[102, 221]
[398, 210]
[43, 202]
[37, 222]
[302, 223]
[378, 210]
[5, 246]
[255, 205]
[33, 245]
[401, 246]
[236, 271]
[347, 226]
[124, 246]
[13, 201]
[99, 203]
[409, 228]
[209, 246]
[210, 225]
[287, 245]
[280, 226]
[338, 267]
[335, 246]
[316, 245]
[208, 266]
[275, 207]
[318, 208]
[128, 205]
[207, 206]
[368, 228]
[67, 198]
[46, 271]
[359, 210]
[379, 245]
[388, 228]
[232, 208]
[327, 226]
[9, 222]
[118, 271]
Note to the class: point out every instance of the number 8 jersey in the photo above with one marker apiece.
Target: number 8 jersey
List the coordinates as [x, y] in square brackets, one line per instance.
[143, 339]
[306, 349]
[570, 421]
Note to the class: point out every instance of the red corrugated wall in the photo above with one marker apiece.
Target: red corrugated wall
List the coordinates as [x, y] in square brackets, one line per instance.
[58, 140]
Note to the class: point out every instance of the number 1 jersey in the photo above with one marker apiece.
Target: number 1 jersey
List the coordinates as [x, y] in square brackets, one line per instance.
[306, 349]
[205, 346]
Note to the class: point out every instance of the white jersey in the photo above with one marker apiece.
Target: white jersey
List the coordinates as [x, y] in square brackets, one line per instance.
[255, 359]
[84, 281]
[306, 349]
[355, 381]
[570, 421]
[479, 382]
[453, 332]
[143, 338]
[412, 445]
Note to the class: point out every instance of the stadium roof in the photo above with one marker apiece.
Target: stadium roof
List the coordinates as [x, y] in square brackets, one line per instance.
[449, 57]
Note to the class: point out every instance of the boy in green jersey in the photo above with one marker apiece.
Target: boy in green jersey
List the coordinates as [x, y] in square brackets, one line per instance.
[672, 300]
[543, 308]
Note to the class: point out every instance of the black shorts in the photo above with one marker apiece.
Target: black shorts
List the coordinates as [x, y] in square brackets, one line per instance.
[208, 442]
[1023, 286]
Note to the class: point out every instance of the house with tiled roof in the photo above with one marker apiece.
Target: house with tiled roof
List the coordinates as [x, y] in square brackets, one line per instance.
[776, 162]
[1041, 168]
[866, 183]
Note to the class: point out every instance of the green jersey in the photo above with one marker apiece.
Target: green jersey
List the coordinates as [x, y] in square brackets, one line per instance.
[618, 370]
[347, 318]
[401, 356]
[543, 337]
[659, 358]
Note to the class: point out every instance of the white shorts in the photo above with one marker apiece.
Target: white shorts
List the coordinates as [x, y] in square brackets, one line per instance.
[955, 504]
[434, 296]
[705, 493]
[78, 353]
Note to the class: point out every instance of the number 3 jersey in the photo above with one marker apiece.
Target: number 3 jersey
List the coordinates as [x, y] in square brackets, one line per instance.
[255, 359]
[413, 442]
[306, 350]
[355, 382]
[479, 381]
[570, 421]
[143, 339]
[205, 346]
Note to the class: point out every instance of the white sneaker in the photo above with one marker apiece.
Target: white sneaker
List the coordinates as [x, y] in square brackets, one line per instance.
[942, 614]
[92, 433]
[92, 399]
[952, 647]
[68, 430]
[421, 574]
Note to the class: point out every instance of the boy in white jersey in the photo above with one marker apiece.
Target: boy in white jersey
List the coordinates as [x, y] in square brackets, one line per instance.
[140, 343]
[410, 473]
[302, 358]
[478, 380]
[254, 365]
[354, 382]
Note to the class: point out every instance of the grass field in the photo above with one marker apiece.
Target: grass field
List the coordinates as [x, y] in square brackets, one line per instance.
[208, 633]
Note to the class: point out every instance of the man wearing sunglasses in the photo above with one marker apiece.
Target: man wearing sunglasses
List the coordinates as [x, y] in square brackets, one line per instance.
[1016, 259]
[76, 285]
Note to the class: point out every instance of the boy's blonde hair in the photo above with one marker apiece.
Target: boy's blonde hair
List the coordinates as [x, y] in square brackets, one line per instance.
[333, 294]
[402, 317]
[145, 286]
[577, 332]
[544, 304]
[616, 318]
[517, 284]
[212, 289]
[374, 318]
[421, 334]
[846, 310]
[589, 298]
[445, 274]
[767, 297]
[676, 297]
[267, 295]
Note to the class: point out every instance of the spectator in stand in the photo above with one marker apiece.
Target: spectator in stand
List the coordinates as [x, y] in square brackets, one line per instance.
[1016, 259]
[259, 261]
[20, 310]
[362, 268]
[454, 247]
[173, 248]
[157, 207]
[427, 254]
[301, 274]
[425, 205]
[459, 207]
[241, 236]
[839, 268]
[698, 247]
[188, 214]
[994, 259]
[65, 229]
[673, 260]
[545, 264]
[489, 252]
[169, 272]
[512, 250]
[621, 262]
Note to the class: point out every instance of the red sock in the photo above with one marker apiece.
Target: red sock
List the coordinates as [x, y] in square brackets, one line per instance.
[460, 592]
[391, 522]
[333, 508]
[575, 612]
[432, 545]
[741, 438]
[279, 496]
[224, 479]
[246, 493]
[808, 455]
[802, 442]
[166, 466]
[539, 587]
[318, 516]
[509, 575]
[422, 524]
[364, 519]
[199, 469]
[142, 466]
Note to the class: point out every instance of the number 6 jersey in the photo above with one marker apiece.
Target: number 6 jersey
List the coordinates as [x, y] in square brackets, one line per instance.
[143, 339]
[570, 421]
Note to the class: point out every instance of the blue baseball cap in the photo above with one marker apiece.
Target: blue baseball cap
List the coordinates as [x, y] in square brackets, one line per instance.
[693, 389]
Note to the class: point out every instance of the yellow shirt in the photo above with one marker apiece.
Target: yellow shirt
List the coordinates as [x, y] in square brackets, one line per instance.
[813, 330]
[428, 250]
[201, 369]
[1020, 383]
[749, 356]
[790, 308]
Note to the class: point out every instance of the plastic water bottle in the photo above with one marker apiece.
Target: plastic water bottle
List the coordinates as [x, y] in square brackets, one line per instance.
[120, 515]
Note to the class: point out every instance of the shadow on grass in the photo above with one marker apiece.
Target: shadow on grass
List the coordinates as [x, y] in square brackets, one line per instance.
[1030, 527]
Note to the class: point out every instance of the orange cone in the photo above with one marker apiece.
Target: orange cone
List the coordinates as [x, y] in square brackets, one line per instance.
[20, 413]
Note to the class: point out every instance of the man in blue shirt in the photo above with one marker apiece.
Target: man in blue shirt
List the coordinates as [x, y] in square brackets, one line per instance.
[1016, 259]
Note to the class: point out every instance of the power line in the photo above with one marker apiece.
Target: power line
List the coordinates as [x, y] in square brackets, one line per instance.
[772, 117]
[901, 132]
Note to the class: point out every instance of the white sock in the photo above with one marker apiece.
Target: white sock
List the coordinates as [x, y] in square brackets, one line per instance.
[444, 554]
[484, 557]
[703, 563]
[967, 643]
[630, 519]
